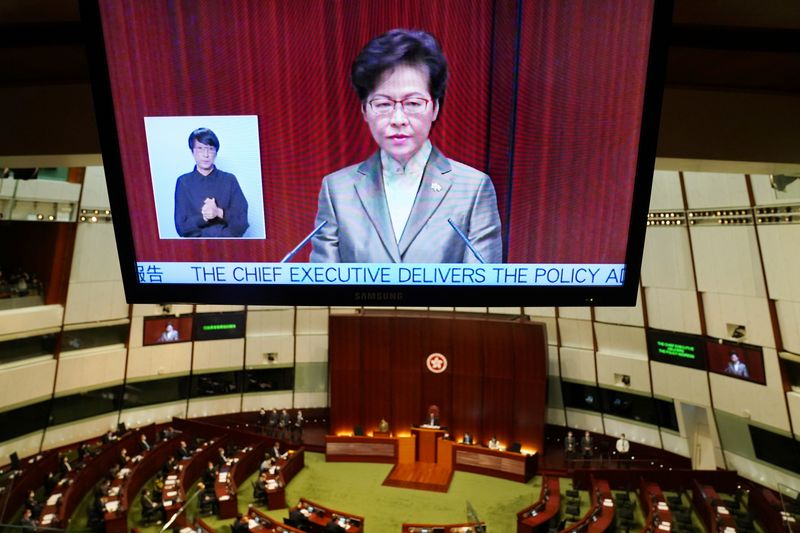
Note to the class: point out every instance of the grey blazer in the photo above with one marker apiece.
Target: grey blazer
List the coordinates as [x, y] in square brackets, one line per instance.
[359, 229]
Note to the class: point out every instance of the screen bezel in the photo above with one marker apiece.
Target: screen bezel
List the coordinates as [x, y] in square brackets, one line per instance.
[383, 295]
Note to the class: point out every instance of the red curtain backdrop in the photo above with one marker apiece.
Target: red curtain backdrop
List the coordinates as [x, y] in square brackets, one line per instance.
[532, 99]
[495, 382]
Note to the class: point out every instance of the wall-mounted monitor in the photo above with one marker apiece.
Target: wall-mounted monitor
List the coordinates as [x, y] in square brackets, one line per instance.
[736, 360]
[167, 329]
[245, 166]
[679, 349]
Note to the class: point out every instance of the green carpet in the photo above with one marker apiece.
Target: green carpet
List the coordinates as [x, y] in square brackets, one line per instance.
[357, 488]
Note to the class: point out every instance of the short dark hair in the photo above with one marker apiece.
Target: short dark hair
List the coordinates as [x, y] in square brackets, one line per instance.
[205, 136]
[399, 47]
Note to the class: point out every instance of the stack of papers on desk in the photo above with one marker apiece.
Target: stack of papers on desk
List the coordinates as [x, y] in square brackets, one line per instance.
[123, 472]
[608, 502]
[167, 503]
[172, 493]
[113, 491]
[112, 507]
[662, 506]
[52, 500]
[48, 519]
[665, 526]
[222, 477]
[225, 498]
[172, 477]
[722, 510]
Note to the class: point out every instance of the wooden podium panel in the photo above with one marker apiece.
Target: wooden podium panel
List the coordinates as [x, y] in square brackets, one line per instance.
[426, 443]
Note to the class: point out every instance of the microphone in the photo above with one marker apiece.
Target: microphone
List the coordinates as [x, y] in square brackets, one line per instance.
[288, 257]
[466, 240]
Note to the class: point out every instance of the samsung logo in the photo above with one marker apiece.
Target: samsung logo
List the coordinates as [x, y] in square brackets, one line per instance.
[378, 296]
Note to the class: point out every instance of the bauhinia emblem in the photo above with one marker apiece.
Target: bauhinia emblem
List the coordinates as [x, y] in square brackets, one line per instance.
[436, 363]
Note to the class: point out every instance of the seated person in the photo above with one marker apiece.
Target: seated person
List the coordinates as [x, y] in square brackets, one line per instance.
[50, 482]
[65, 467]
[32, 505]
[183, 451]
[334, 527]
[240, 524]
[260, 488]
[144, 446]
[275, 452]
[123, 458]
[151, 508]
[168, 467]
[84, 451]
[210, 474]
[297, 518]
[266, 463]
[221, 458]
[208, 497]
[467, 439]
[27, 522]
[493, 444]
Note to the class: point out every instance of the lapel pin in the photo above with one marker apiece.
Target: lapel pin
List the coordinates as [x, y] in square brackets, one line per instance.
[436, 187]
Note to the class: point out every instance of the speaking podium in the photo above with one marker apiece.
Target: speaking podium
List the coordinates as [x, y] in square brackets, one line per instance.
[426, 438]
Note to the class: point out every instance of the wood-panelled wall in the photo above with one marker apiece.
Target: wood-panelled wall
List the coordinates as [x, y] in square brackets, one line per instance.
[495, 381]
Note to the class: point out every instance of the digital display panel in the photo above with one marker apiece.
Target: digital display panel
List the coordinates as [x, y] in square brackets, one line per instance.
[210, 326]
[166, 329]
[677, 348]
[737, 361]
[366, 152]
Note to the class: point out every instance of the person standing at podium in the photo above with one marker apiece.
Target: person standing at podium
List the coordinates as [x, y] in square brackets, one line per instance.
[432, 418]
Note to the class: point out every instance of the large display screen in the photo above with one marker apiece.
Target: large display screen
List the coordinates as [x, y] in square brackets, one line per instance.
[379, 152]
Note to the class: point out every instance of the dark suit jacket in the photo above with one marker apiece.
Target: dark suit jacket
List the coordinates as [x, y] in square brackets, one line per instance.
[359, 227]
[240, 527]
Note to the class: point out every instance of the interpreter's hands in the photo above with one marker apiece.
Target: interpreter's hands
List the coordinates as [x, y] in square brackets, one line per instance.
[210, 209]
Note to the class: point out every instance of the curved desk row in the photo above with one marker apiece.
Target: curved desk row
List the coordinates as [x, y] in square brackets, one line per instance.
[537, 516]
[652, 500]
[472, 527]
[242, 466]
[714, 514]
[73, 488]
[183, 476]
[600, 516]
[318, 517]
[32, 474]
[139, 470]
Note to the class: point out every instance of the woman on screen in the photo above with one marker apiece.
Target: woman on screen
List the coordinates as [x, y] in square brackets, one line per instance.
[408, 203]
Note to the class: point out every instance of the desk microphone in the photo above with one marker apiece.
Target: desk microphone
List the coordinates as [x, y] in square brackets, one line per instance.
[466, 240]
[288, 257]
